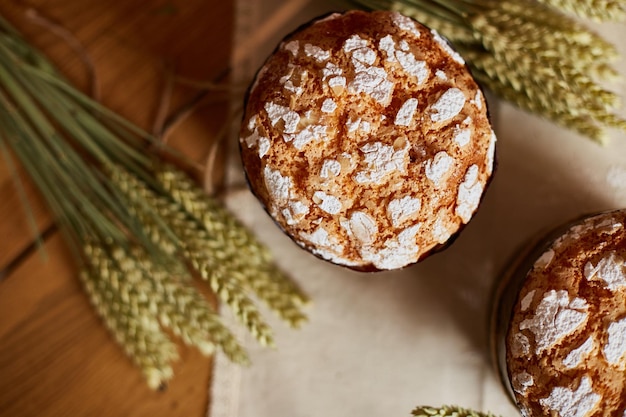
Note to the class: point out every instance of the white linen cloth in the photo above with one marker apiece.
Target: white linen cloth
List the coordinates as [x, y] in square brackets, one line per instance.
[381, 344]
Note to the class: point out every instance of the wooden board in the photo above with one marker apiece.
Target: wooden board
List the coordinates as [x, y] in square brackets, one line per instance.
[56, 359]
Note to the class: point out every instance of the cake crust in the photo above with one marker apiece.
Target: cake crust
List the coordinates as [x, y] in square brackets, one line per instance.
[566, 343]
[367, 140]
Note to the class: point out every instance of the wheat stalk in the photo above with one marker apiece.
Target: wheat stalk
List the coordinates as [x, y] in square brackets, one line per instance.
[138, 234]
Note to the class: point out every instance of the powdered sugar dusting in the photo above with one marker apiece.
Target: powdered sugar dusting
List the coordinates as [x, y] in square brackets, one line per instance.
[446, 47]
[372, 81]
[358, 124]
[438, 168]
[255, 138]
[288, 80]
[295, 212]
[388, 45]
[330, 168]
[575, 357]
[329, 106]
[278, 186]
[336, 82]
[409, 64]
[381, 160]
[276, 113]
[555, 317]
[319, 237]
[611, 269]
[316, 53]
[364, 55]
[326, 246]
[331, 70]
[354, 42]
[290, 86]
[306, 135]
[298, 208]
[406, 112]
[448, 105]
[252, 122]
[264, 146]
[615, 348]
[462, 136]
[405, 23]
[418, 69]
[288, 217]
[353, 125]
[401, 209]
[578, 304]
[397, 252]
[571, 403]
[329, 203]
[468, 198]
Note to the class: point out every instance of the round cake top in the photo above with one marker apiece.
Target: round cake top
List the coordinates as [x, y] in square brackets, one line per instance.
[367, 140]
[566, 343]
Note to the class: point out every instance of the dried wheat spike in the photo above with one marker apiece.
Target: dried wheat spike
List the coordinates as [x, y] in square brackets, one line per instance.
[561, 115]
[234, 296]
[188, 314]
[146, 207]
[599, 10]
[448, 411]
[221, 225]
[138, 334]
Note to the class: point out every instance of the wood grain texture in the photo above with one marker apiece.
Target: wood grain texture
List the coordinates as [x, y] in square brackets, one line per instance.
[56, 358]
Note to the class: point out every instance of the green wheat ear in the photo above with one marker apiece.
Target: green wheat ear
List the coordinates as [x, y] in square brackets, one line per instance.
[448, 411]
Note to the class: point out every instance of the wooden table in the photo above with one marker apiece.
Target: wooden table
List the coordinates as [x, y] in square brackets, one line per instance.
[56, 359]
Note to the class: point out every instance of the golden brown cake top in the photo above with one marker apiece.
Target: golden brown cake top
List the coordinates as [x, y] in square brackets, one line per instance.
[566, 344]
[367, 140]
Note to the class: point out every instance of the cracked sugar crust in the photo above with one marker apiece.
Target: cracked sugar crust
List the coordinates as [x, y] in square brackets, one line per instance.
[366, 129]
[568, 327]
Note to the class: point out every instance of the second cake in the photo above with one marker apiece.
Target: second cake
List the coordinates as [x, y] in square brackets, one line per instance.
[560, 324]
